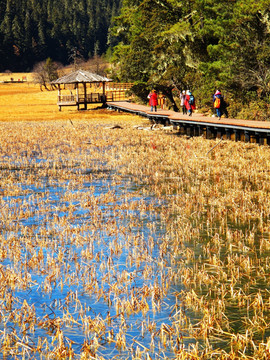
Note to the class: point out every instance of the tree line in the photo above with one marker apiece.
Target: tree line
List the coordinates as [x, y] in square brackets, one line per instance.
[202, 45]
[169, 45]
[34, 30]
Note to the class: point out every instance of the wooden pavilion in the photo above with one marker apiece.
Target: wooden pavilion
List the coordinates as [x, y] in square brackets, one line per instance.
[88, 88]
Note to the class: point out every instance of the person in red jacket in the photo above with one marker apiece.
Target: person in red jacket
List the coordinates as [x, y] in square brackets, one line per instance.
[190, 102]
[153, 100]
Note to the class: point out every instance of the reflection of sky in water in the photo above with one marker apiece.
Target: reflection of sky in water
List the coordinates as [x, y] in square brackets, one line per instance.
[61, 222]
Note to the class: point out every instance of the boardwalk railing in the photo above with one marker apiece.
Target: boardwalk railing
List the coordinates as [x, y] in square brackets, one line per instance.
[116, 95]
[118, 86]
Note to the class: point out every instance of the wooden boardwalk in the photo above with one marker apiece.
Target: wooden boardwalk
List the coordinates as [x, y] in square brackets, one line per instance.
[198, 124]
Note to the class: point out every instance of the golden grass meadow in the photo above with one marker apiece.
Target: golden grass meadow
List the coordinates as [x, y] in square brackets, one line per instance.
[122, 242]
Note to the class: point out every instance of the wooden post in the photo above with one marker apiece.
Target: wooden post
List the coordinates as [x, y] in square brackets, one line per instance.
[247, 136]
[103, 94]
[85, 96]
[208, 132]
[236, 135]
[59, 96]
[228, 134]
[77, 96]
[200, 130]
[219, 133]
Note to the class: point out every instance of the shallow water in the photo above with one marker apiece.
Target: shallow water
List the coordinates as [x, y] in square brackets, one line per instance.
[86, 264]
[93, 264]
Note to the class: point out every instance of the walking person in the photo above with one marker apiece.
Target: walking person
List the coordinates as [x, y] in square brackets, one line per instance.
[153, 100]
[190, 102]
[220, 105]
[182, 102]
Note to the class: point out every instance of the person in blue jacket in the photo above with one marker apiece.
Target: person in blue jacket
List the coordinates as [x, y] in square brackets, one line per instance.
[217, 103]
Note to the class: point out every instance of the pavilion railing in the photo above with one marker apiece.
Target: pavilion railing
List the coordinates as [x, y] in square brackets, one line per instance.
[90, 98]
[66, 98]
[93, 97]
[114, 95]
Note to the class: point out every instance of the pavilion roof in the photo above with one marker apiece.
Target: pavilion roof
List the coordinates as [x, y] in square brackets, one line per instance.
[81, 76]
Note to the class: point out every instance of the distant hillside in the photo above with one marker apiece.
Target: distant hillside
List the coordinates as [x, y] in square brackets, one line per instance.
[31, 31]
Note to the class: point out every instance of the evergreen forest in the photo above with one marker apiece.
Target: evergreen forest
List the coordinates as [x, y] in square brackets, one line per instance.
[169, 45]
[201, 45]
[34, 30]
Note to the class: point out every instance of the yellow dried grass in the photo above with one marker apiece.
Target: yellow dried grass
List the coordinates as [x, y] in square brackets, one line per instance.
[216, 212]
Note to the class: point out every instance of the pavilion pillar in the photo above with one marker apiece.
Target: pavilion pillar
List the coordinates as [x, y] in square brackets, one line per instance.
[59, 96]
[85, 96]
[103, 94]
[77, 96]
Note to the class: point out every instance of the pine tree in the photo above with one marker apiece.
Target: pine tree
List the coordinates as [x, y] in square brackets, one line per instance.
[33, 30]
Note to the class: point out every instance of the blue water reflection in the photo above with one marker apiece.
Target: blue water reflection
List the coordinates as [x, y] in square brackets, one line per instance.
[93, 256]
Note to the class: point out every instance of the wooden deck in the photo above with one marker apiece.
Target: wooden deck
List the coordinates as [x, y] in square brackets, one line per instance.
[198, 124]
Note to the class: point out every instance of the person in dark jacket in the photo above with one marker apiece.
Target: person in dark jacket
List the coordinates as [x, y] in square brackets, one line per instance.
[190, 102]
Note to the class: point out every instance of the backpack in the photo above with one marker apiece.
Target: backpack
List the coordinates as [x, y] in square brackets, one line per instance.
[191, 100]
[217, 103]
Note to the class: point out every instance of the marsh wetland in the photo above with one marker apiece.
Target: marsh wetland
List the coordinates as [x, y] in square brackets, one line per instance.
[119, 243]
